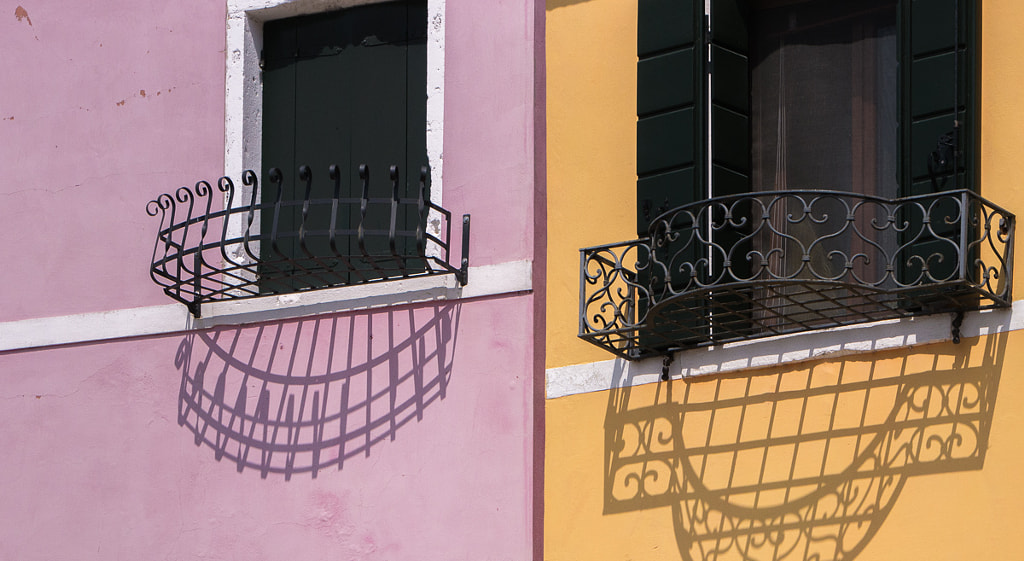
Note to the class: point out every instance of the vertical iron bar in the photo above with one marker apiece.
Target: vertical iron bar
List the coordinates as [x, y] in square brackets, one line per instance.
[249, 178]
[278, 178]
[583, 287]
[1008, 248]
[448, 238]
[335, 174]
[964, 244]
[364, 175]
[464, 271]
[197, 281]
[393, 228]
[305, 174]
[421, 224]
[364, 203]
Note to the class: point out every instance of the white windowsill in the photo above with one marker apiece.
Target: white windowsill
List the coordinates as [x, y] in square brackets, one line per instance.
[783, 349]
[488, 280]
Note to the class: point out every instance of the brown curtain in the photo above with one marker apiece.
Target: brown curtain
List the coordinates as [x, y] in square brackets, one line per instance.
[823, 117]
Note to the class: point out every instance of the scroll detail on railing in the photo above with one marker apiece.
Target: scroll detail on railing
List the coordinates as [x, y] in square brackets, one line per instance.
[254, 247]
[770, 263]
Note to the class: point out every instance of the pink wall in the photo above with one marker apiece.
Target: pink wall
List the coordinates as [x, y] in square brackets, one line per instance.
[85, 149]
[489, 123]
[129, 449]
[101, 459]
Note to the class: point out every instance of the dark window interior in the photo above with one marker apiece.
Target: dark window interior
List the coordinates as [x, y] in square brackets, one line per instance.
[824, 96]
[823, 99]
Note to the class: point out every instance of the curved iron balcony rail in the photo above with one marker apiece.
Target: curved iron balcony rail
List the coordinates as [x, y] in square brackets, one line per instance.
[769, 263]
[246, 249]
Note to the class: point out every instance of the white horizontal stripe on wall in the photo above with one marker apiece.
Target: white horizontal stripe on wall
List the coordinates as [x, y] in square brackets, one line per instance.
[487, 280]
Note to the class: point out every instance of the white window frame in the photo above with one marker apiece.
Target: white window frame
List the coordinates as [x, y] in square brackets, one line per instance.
[243, 87]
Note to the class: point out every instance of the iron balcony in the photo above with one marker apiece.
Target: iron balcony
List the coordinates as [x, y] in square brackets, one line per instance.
[246, 249]
[771, 263]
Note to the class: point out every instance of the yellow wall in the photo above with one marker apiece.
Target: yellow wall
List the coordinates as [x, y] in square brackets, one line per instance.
[961, 505]
[903, 455]
[591, 78]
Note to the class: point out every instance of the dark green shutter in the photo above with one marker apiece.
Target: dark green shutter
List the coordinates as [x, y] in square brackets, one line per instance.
[938, 88]
[730, 98]
[345, 88]
[937, 72]
[670, 116]
[671, 139]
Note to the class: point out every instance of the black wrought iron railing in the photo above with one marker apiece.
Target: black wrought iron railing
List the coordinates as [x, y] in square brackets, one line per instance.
[216, 244]
[771, 263]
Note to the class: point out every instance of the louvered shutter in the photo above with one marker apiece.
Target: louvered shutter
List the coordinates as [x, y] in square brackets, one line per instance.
[938, 121]
[346, 88]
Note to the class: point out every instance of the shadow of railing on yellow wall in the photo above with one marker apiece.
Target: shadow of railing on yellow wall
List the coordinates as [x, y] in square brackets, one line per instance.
[802, 465]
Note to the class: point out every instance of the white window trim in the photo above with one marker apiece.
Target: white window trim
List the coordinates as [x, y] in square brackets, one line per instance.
[243, 89]
[243, 101]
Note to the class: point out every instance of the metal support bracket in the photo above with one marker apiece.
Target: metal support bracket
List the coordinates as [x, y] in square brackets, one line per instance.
[463, 275]
[958, 320]
[665, 363]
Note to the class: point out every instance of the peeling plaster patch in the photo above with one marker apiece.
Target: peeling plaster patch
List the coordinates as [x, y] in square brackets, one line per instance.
[143, 94]
[288, 299]
[11, 118]
[21, 14]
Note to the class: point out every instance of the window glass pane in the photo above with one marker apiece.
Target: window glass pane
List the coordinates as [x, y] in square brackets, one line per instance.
[823, 117]
[824, 97]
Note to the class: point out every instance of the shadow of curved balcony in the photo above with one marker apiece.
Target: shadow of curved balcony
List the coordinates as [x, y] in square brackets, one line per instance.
[803, 464]
[309, 395]
[772, 263]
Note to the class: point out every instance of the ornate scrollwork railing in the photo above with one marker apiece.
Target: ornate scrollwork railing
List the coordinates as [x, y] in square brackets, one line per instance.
[257, 245]
[770, 263]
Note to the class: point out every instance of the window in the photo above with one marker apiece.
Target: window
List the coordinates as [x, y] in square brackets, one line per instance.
[801, 164]
[345, 88]
[871, 97]
[853, 90]
[363, 85]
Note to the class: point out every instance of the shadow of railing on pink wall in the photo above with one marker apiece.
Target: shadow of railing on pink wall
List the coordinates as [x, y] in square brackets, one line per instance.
[310, 394]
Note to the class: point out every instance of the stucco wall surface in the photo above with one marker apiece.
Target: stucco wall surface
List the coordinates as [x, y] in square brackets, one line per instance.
[591, 128]
[103, 106]
[305, 439]
[902, 455]
[402, 433]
